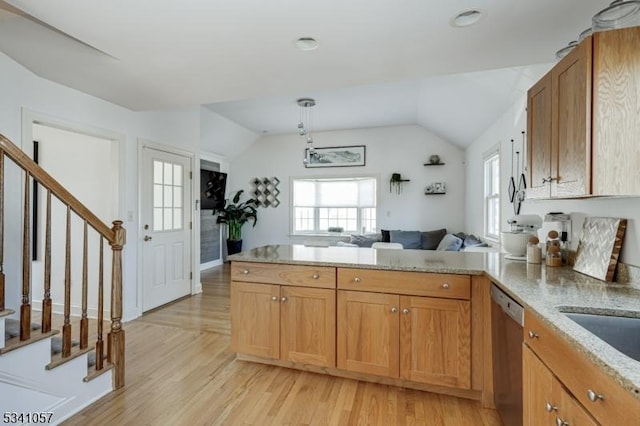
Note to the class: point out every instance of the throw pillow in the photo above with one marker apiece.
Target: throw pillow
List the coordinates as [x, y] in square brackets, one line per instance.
[364, 240]
[431, 239]
[472, 241]
[386, 236]
[408, 239]
[450, 243]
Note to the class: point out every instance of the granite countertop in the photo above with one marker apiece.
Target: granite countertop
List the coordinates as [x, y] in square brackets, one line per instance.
[540, 289]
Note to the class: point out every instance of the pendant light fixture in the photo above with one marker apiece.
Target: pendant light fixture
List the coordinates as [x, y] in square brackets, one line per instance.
[304, 124]
[619, 14]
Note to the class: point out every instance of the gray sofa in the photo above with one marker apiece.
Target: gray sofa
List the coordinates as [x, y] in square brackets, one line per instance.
[437, 239]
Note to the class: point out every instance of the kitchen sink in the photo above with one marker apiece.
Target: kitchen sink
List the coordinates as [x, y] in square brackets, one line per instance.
[623, 333]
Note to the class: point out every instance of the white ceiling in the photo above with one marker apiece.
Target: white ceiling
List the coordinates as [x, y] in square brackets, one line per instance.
[378, 60]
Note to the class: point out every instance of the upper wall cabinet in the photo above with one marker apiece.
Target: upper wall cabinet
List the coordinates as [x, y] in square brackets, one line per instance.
[584, 121]
[559, 127]
[616, 112]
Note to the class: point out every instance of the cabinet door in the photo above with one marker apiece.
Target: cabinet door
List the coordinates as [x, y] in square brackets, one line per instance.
[616, 112]
[308, 326]
[435, 341]
[255, 319]
[571, 412]
[571, 123]
[368, 332]
[538, 402]
[539, 138]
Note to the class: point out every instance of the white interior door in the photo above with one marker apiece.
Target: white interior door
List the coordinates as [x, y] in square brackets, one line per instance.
[166, 227]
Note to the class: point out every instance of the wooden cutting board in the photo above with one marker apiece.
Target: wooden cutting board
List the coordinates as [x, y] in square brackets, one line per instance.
[600, 246]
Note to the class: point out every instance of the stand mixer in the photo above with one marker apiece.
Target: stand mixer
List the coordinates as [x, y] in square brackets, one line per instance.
[514, 242]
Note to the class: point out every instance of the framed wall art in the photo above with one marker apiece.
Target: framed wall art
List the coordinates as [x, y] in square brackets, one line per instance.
[337, 156]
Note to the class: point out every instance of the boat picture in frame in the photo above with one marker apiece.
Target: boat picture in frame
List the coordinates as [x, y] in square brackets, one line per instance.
[336, 156]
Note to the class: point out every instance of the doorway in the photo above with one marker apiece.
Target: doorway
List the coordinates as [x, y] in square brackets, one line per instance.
[165, 195]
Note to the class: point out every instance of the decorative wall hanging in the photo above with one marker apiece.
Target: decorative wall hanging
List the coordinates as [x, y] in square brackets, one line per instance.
[266, 191]
[517, 192]
[436, 188]
[396, 182]
[336, 156]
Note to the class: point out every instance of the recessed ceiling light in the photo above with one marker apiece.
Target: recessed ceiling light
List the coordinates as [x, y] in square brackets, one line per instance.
[307, 43]
[466, 18]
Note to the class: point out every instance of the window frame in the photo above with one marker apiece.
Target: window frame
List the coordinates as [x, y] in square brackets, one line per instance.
[292, 218]
[490, 156]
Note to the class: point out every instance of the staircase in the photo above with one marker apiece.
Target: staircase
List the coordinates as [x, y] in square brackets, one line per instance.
[54, 371]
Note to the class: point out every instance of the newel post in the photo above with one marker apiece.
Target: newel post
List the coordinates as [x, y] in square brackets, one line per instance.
[115, 342]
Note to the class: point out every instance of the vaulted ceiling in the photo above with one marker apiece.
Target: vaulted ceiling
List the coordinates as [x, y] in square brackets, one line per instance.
[158, 54]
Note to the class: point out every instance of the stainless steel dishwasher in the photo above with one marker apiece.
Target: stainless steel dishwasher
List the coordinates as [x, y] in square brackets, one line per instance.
[507, 320]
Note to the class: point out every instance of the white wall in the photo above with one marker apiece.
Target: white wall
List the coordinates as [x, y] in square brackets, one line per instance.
[223, 137]
[508, 126]
[19, 88]
[401, 149]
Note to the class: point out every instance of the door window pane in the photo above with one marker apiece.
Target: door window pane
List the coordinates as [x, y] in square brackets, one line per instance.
[168, 190]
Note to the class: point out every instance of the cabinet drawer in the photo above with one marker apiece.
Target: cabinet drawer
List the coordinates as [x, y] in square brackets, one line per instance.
[580, 375]
[269, 273]
[410, 283]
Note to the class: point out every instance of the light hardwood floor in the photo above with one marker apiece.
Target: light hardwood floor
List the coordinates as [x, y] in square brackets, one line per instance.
[180, 371]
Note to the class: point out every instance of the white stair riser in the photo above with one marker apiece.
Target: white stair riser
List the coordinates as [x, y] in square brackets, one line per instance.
[27, 386]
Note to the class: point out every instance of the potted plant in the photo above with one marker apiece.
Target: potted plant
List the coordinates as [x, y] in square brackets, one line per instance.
[235, 215]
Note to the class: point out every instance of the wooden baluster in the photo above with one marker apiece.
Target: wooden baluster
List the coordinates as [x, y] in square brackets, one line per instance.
[84, 322]
[1, 230]
[100, 342]
[115, 344]
[66, 328]
[46, 301]
[25, 308]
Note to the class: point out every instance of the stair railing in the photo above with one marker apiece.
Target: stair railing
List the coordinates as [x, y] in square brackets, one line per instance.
[115, 236]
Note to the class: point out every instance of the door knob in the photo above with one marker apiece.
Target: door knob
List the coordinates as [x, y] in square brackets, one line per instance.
[147, 238]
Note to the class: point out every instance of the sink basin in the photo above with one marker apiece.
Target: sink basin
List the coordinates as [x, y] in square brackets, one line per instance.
[623, 333]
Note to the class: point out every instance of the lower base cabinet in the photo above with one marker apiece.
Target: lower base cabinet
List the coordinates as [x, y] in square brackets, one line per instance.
[421, 339]
[284, 322]
[545, 399]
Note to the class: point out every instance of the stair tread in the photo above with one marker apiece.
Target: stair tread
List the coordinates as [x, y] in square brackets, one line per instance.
[15, 342]
[57, 360]
[6, 312]
[93, 373]
[12, 328]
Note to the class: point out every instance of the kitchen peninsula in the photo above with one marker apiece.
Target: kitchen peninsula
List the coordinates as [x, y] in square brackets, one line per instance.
[421, 319]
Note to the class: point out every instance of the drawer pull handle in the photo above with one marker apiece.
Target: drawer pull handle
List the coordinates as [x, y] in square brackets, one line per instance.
[560, 422]
[274, 298]
[315, 276]
[394, 310]
[594, 396]
[357, 279]
[550, 407]
[246, 272]
[445, 286]
[405, 311]
[533, 335]
[284, 299]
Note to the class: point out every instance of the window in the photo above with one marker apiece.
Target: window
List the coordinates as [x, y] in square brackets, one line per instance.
[167, 196]
[323, 203]
[492, 195]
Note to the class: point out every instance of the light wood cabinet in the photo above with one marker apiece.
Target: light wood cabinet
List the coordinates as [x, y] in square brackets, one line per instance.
[368, 332]
[255, 317]
[286, 322]
[416, 338]
[559, 128]
[583, 121]
[545, 399]
[616, 112]
[588, 392]
[435, 341]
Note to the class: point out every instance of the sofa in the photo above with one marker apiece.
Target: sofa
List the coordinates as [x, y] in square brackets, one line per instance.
[438, 239]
